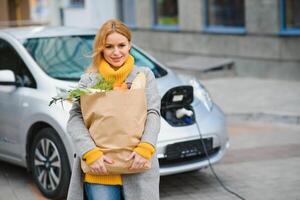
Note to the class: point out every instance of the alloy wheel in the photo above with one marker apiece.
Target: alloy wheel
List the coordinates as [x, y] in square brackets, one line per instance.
[47, 164]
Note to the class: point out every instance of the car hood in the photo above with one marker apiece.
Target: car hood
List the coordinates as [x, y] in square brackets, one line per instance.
[163, 83]
[167, 82]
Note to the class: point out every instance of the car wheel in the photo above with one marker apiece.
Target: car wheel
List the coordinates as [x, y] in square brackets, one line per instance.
[49, 164]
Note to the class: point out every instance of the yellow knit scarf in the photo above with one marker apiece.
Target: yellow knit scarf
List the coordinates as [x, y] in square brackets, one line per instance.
[120, 75]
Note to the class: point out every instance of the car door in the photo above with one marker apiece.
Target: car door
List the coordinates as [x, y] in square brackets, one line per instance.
[11, 106]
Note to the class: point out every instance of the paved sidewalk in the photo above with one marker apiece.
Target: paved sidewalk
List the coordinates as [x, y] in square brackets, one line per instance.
[258, 99]
[16, 184]
[263, 163]
[244, 98]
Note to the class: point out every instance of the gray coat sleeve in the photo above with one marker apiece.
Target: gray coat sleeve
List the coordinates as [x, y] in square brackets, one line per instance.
[152, 126]
[76, 127]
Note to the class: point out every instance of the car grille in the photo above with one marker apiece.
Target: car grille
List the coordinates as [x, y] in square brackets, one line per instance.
[188, 151]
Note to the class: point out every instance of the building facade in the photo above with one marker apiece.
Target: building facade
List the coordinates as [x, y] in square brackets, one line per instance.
[260, 36]
[32, 12]
[79, 13]
[13, 12]
[89, 13]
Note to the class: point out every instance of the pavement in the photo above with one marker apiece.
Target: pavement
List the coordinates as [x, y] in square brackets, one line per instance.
[253, 99]
[257, 99]
[17, 184]
[262, 163]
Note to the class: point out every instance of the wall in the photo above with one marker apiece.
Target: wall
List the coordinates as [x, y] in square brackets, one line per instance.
[93, 14]
[13, 15]
[261, 52]
[4, 15]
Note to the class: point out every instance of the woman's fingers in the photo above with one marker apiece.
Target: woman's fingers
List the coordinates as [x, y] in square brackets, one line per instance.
[103, 169]
[131, 156]
[141, 165]
[98, 167]
[138, 162]
[108, 160]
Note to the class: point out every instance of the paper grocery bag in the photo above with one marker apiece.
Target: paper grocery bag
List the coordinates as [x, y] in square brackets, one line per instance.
[116, 121]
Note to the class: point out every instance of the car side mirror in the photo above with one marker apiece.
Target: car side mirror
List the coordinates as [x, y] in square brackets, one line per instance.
[7, 81]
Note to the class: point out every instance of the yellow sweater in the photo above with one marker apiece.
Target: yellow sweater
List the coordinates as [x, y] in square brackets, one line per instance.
[144, 149]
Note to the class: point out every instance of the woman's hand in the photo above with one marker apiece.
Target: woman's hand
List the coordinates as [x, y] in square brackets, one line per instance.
[98, 167]
[138, 162]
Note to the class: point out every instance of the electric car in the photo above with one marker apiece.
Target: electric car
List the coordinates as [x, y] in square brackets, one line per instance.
[38, 63]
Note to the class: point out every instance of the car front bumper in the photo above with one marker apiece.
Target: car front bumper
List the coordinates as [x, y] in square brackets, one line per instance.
[212, 126]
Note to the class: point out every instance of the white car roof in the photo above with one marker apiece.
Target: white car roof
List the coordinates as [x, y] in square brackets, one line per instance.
[23, 33]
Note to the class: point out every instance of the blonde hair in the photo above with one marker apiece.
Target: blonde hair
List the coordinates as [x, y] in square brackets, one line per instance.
[109, 27]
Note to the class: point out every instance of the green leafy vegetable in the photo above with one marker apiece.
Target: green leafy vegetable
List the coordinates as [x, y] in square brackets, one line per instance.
[102, 84]
[73, 95]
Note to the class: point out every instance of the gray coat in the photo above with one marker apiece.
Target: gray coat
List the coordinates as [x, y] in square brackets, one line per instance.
[135, 186]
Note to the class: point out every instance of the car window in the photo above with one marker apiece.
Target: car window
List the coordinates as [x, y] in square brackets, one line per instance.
[62, 57]
[67, 57]
[142, 60]
[10, 59]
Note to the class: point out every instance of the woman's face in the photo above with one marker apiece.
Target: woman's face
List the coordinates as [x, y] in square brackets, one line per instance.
[116, 49]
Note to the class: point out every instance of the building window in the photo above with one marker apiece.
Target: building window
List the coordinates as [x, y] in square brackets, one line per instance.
[127, 12]
[225, 16]
[165, 14]
[77, 3]
[290, 16]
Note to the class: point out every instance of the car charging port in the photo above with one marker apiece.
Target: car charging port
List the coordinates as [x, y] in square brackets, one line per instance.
[176, 106]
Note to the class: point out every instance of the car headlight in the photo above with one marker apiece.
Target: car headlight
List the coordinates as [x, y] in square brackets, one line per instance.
[202, 94]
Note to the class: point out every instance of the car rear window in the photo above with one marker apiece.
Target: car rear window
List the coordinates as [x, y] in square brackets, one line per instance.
[67, 57]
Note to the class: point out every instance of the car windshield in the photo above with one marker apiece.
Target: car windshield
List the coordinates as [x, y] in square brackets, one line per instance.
[67, 57]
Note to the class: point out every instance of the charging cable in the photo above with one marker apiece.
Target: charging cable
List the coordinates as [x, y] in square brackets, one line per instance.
[212, 169]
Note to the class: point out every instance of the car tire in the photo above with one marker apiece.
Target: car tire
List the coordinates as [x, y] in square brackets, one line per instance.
[49, 164]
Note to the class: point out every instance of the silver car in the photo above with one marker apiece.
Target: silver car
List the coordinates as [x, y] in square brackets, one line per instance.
[38, 63]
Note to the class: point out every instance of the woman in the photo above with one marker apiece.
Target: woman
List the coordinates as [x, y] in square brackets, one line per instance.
[112, 61]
